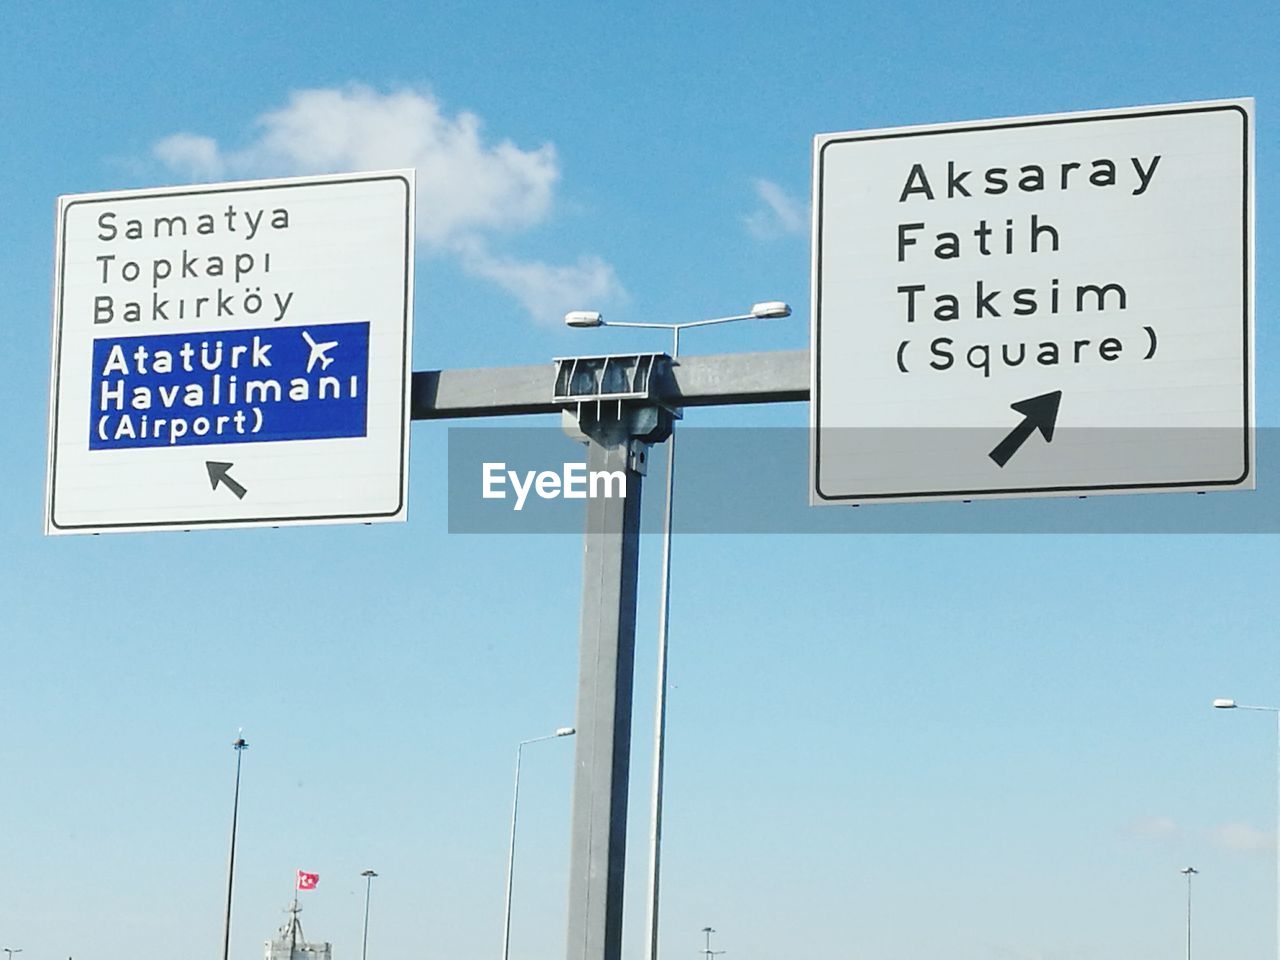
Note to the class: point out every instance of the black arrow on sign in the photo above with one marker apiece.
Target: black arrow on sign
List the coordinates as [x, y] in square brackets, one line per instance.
[218, 474]
[1039, 413]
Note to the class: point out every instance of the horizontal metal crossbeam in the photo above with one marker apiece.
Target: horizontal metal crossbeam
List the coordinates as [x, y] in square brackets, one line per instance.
[697, 381]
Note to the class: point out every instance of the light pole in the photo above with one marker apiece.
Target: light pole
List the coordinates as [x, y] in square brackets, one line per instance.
[766, 310]
[368, 886]
[1188, 873]
[1222, 704]
[511, 850]
[239, 744]
[708, 952]
[11, 951]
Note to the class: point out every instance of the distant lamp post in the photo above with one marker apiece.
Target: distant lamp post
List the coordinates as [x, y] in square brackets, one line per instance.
[240, 745]
[1223, 704]
[511, 851]
[765, 310]
[11, 951]
[707, 951]
[1189, 872]
[368, 886]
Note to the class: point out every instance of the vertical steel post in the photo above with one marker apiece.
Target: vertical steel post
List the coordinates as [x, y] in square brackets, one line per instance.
[511, 857]
[1188, 873]
[239, 744]
[660, 699]
[1188, 915]
[368, 889]
[611, 551]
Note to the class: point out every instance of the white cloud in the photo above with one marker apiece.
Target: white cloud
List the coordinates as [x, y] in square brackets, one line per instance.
[549, 291]
[1153, 828]
[781, 212]
[198, 156]
[468, 190]
[1242, 838]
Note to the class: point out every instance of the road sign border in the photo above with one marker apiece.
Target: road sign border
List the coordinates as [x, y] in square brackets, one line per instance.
[823, 141]
[204, 190]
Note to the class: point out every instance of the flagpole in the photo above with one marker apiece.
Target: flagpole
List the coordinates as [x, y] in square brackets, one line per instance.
[293, 915]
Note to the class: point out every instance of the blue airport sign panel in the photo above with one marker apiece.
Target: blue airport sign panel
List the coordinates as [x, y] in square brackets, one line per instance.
[1036, 306]
[232, 355]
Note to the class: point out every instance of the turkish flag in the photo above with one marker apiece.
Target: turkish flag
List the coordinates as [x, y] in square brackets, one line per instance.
[307, 881]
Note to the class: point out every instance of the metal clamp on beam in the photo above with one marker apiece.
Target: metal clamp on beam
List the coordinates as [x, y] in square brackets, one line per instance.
[616, 397]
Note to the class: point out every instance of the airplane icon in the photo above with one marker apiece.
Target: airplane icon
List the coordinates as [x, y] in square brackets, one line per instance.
[319, 352]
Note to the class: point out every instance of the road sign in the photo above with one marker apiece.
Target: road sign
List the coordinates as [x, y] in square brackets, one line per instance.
[1034, 306]
[232, 355]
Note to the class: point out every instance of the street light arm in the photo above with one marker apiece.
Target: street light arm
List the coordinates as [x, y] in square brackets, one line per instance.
[1224, 703]
[676, 326]
[562, 732]
[715, 320]
[646, 326]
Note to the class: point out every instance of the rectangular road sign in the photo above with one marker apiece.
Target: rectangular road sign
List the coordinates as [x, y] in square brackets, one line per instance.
[1034, 306]
[232, 355]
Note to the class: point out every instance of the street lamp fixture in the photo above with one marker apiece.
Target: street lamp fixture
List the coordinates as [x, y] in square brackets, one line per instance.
[764, 310]
[771, 310]
[511, 850]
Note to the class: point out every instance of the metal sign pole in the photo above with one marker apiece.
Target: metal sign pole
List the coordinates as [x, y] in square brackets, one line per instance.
[617, 434]
[611, 552]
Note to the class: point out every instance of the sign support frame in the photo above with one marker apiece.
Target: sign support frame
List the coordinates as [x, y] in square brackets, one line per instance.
[611, 545]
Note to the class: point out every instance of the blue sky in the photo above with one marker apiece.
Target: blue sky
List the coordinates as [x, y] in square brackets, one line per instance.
[881, 746]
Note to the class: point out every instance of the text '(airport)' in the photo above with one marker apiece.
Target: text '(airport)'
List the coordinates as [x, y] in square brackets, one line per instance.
[233, 386]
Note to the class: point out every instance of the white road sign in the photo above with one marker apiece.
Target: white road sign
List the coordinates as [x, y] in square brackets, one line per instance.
[232, 355]
[1035, 306]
